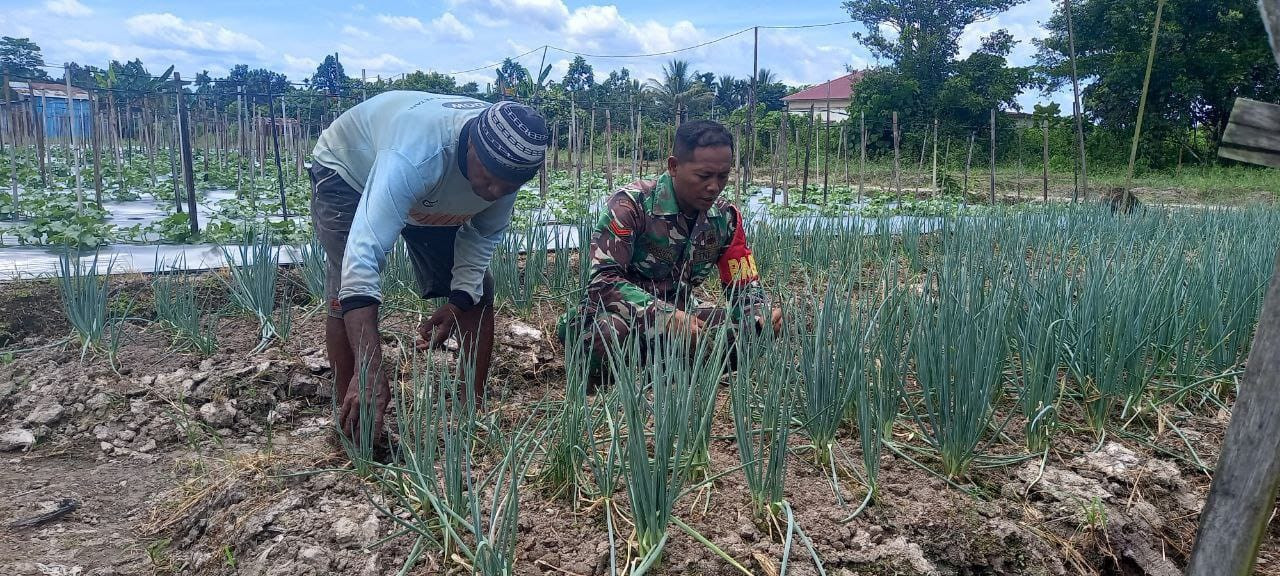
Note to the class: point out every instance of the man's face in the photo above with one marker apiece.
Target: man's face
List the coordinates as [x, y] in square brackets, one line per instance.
[484, 184]
[700, 179]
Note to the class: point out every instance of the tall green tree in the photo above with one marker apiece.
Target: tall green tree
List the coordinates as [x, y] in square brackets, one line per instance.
[579, 77]
[329, 77]
[1208, 54]
[435, 82]
[680, 94]
[921, 41]
[21, 58]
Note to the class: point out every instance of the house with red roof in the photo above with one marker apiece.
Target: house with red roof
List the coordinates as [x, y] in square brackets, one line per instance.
[835, 96]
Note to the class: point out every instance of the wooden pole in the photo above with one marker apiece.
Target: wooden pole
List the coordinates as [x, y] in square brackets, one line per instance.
[1142, 100]
[993, 156]
[75, 156]
[1044, 174]
[184, 141]
[924, 145]
[862, 152]
[1075, 104]
[934, 181]
[826, 147]
[95, 131]
[113, 119]
[610, 163]
[1243, 494]
[555, 146]
[13, 159]
[968, 163]
[241, 141]
[737, 161]
[784, 156]
[275, 145]
[175, 163]
[751, 115]
[38, 121]
[804, 187]
[773, 167]
[591, 144]
[897, 178]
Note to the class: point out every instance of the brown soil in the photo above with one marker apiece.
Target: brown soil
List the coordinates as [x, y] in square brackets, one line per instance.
[221, 465]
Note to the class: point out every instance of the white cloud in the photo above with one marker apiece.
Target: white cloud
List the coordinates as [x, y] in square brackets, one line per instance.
[167, 30]
[72, 8]
[96, 50]
[384, 64]
[402, 23]
[448, 26]
[350, 30]
[549, 14]
[603, 30]
[299, 67]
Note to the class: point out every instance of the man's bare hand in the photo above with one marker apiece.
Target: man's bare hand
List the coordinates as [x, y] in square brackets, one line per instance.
[681, 323]
[438, 327]
[352, 412]
[775, 320]
[366, 347]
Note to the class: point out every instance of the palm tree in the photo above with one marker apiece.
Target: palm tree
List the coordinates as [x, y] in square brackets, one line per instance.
[728, 93]
[680, 91]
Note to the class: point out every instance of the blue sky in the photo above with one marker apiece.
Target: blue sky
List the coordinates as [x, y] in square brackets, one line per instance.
[455, 36]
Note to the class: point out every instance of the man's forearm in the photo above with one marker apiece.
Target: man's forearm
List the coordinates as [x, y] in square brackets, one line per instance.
[366, 344]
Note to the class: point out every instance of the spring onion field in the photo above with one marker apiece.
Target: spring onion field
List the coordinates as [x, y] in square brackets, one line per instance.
[957, 389]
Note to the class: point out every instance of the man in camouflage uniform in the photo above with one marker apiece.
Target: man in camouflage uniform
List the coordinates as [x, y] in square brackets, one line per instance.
[657, 240]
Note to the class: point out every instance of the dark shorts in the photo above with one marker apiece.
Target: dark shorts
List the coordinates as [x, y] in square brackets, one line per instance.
[333, 207]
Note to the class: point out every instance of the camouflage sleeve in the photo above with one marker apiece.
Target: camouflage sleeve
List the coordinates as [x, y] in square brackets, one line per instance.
[738, 273]
[612, 245]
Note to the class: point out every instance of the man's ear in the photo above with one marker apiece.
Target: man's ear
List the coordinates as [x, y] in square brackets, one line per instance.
[672, 164]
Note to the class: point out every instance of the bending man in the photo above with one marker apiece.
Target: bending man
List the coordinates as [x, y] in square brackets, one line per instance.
[441, 171]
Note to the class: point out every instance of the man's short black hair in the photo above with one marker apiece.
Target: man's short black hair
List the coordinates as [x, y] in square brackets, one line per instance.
[700, 134]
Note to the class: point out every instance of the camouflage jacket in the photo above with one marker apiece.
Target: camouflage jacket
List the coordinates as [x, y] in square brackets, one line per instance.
[646, 256]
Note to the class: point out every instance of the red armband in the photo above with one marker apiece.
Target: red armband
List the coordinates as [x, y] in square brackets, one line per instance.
[737, 265]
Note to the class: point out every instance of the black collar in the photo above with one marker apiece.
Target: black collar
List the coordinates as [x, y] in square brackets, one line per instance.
[464, 139]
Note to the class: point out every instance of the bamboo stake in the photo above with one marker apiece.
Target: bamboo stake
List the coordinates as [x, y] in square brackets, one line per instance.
[933, 183]
[897, 178]
[968, 163]
[611, 157]
[1142, 100]
[1044, 174]
[1075, 104]
[862, 153]
[38, 121]
[785, 158]
[94, 132]
[993, 156]
[826, 148]
[73, 150]
[13, 159]
[804, 187]
[184, 141]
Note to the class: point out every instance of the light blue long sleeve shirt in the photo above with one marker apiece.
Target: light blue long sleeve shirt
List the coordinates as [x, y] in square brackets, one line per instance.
[400, 150]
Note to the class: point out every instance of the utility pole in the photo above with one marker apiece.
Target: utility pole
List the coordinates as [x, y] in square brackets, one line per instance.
[751, 119]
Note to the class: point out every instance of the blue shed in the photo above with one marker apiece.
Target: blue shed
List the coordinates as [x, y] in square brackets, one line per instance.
[49, 102]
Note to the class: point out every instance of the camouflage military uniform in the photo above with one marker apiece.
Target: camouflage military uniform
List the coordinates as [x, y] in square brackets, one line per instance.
[646, 257]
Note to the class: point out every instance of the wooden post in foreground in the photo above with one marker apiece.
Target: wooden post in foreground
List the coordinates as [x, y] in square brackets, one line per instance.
[1243, 494]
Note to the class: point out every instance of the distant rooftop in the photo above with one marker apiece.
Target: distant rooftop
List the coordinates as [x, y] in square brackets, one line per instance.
[839, 89]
